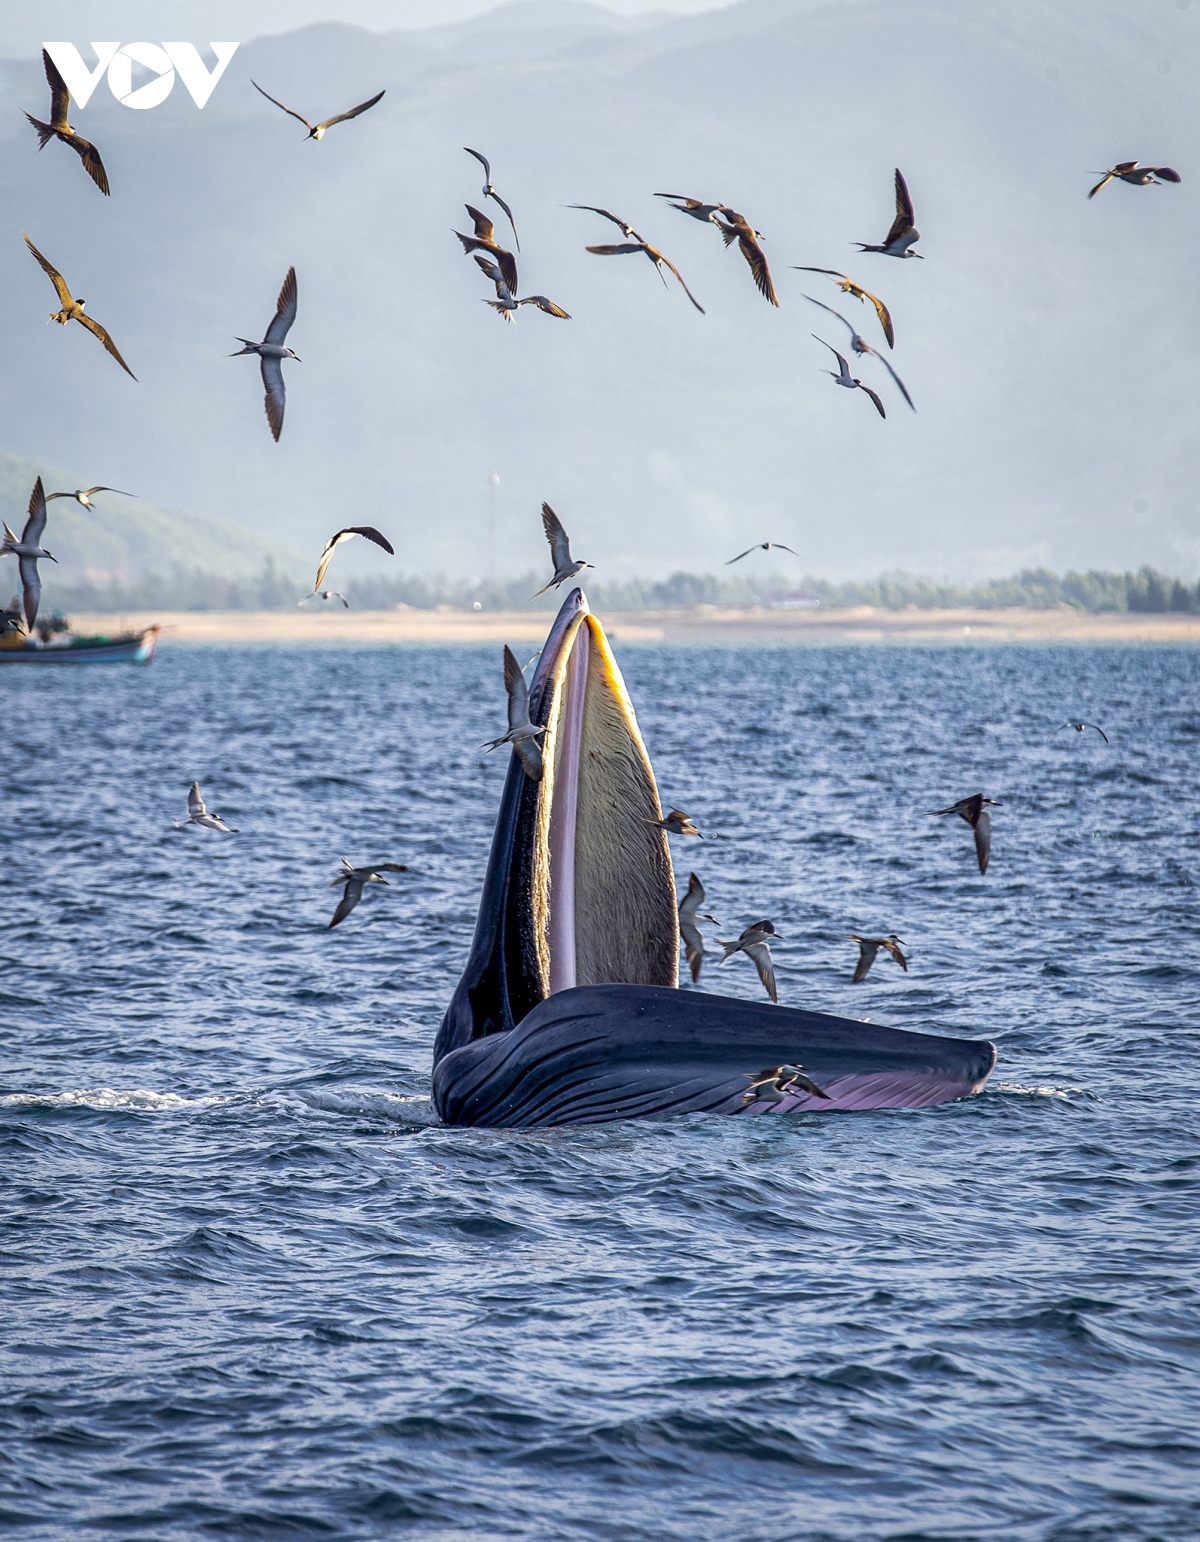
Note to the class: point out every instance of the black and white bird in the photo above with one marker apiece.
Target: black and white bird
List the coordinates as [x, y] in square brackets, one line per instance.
[696, 207]
[72, 309]
[352, 880]
[761, 546]
[900, 238]
[271, 353]
[484, 240]
[317, 130]
[59, 128]
[843, 377]
[975, 811]
[198, 814]
[1079, 727]
[675, 822]
[736, 227]
[560, 551]
[848, 286]
[860, 346]
[83, 495]
[340, 539]
[690, 917]
[28, 550]
[778, 1083]
[755, 943]
[635, 243]
[506, 303]
[490, 192]
[325, 594]
[1138, 176]
[522, 734]
[868, 947]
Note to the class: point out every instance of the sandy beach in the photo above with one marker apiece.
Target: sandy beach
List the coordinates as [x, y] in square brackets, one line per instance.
[702, 625]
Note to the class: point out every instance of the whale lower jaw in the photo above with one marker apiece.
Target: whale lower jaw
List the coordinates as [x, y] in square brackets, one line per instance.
[602, 1052]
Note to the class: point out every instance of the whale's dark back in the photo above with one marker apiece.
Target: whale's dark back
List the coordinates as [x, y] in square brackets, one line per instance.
[603, 1052]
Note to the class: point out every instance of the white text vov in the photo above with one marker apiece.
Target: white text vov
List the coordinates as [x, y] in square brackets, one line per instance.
[166, 61]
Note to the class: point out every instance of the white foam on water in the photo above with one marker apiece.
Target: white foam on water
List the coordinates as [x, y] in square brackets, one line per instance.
[139, 1099]
[406, 1108]
[1042, 1091]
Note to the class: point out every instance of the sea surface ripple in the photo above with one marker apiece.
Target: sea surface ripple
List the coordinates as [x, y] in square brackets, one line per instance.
[250, 1288]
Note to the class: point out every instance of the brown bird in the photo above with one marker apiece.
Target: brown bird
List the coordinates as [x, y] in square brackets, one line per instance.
[506, 303]
[72, 310]
[975, 813]
[740, 230]
[59, 128]
[353, 879]
[339, 539]
[317, 130]
[859, 293]
[707, 212]
[484, 239]
[1139, 176]
[635, 243]
[904, 232]
[868, 947]
[690, 918]
[676, 822]
[776, 1083]
[755, 943]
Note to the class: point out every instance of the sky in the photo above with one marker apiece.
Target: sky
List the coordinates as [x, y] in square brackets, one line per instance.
[1047, 340]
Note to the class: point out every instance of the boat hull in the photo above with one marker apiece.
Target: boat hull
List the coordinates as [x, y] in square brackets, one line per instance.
[130, 648]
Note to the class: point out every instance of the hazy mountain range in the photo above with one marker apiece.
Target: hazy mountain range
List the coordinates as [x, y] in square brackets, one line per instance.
[1047, 340]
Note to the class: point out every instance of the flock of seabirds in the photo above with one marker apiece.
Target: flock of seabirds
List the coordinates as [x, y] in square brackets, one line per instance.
[499, 266]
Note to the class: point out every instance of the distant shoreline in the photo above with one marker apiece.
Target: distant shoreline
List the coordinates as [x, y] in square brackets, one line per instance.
[706, 624]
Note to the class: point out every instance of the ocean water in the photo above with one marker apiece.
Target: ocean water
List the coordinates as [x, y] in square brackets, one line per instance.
[250, 1288]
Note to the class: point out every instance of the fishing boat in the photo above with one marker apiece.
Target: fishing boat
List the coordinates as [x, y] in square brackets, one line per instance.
[64, 647]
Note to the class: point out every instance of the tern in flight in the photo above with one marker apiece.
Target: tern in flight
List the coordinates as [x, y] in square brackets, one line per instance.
[974, 811]
[635, 243]
[868, 947]
[861, 347]
[778, 1082]
[848, 285]
[271, 353]
[845, 378]
[1079, 727]
[490, 192]
[325, 594]
[348, 534]
[317, 130]
[560, 551]
[904, 233]
[740, 230]
[484, 239]
[761, 546]
[697, 208]
[27, 549]
[59, 128]
[199, 815]
[1130, 171]
[675, 822]
[351, 880]
[72, 310]
[506, 303]
[755, 943]
[690, 917]
[84, 495]
[522, 734]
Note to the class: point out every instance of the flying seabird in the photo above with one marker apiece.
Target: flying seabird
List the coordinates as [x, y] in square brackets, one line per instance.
[199, 815]
[325, 594]
[490, 192]
[72, 310]
[861, 346]
[690, 918]
[351, 881]
[339, 539]
[27, 549]
[696, 207]
[317, 130]
[761, 546]
[83, 495]
[903, 233]
[848, 286]
[740, 230]
[484, 239]
[635, 243]
[974, 811]
[507, 303]
[1079, 727]
[868, 947]
[522, 734]
[1128, 171]
[560, 551]
[845, 378]
[755, 943]
[778, 1082]
[675, 822]
[59, 128]
[271, 353]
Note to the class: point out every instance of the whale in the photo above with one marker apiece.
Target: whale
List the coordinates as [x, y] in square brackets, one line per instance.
[569, 1009]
